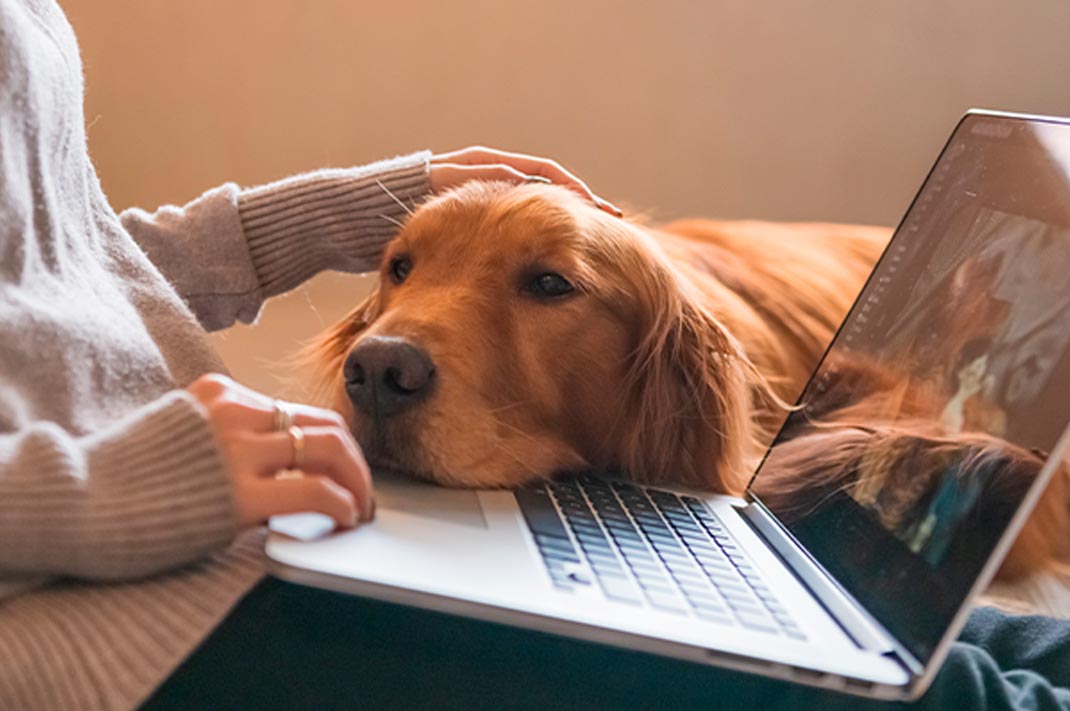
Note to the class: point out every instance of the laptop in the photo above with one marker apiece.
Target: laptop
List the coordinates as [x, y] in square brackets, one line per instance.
[852, 559]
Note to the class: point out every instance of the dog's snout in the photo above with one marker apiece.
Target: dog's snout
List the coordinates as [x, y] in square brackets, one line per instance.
[385, 374]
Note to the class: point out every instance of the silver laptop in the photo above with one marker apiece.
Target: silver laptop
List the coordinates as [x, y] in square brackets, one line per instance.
[852, 559]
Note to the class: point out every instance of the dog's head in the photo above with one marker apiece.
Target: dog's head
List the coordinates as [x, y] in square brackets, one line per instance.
[517, 332]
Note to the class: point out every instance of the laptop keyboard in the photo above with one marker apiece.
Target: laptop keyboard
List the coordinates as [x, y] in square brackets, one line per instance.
[647, 546]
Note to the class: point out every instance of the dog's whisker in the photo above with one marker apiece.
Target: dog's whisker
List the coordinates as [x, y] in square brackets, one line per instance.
[512, 455]
[393, 196]
[522, 433]
[388, 218]
[510, 406]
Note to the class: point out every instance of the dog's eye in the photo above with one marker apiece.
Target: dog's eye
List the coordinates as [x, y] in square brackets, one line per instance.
[400, 268]
[549, 285]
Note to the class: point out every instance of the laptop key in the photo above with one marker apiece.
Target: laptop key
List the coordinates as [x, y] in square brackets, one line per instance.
[632, 544]
[756, 622]
[643, 567]
[706, 553]
[601, 557]
[603, 572]
[707, 601]
[674, 556]
[669, 602]
[673, 559]
[662, 549]
[627, 536]
[663, 588]
[691, 575]
[560, 543]
[717, 571]
[714, 616]
[628, 543]
[709, 554]
[644, 560]
[597, 539]
[562, 584]
[579, 524]
[747, 605]
[557, 555]
[539, 512]
[734, 592]
[690, 531]
[693, 585]
[620, 589]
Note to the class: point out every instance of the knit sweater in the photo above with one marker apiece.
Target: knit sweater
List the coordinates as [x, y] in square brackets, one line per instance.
[118, 544]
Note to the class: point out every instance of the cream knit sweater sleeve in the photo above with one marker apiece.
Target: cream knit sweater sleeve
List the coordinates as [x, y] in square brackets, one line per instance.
[231, 249]
[144, 495]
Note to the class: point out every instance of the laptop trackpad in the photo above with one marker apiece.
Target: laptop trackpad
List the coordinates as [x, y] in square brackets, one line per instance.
[399, 493]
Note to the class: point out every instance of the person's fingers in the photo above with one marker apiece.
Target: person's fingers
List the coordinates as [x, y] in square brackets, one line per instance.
[260, 499]
[245, 422]
[528, 166]
[325, 450]
[445, 175]
[260, 417]
[255, 411]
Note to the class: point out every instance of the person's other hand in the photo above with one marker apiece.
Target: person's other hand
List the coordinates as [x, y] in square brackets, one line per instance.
[479, 163]
[334, 479]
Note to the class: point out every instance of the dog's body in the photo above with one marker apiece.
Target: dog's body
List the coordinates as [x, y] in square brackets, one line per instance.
[518, 332]
[781, 289]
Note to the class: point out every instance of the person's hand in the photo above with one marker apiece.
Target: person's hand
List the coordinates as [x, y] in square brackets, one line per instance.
[479, 163]
[334, 479]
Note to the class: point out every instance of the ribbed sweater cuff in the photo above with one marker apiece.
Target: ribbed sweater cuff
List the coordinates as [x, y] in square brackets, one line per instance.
[153, 494]
[174, 502]
[329, 219]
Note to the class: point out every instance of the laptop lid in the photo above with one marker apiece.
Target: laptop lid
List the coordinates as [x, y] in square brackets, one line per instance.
[933, 411]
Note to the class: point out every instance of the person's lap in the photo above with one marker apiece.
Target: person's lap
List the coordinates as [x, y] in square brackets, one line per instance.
[286, 646]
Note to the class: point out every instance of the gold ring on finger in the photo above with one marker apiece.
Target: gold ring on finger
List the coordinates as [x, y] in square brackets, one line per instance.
[297, 442]
[284, 416]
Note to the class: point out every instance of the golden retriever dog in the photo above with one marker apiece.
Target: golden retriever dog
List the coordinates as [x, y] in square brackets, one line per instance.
[518, 332]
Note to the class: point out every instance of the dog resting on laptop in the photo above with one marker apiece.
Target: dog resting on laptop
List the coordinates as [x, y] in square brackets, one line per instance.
[518, 332]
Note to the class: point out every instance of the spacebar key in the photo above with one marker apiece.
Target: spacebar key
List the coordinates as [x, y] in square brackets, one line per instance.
[540, 513]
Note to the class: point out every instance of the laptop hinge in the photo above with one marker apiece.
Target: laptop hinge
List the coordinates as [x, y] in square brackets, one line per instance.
[866, 632]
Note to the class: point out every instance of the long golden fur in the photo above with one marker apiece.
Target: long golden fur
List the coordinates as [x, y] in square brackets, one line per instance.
[670, 361]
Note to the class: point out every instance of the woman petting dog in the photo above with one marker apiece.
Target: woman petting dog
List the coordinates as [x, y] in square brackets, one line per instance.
[135, 476]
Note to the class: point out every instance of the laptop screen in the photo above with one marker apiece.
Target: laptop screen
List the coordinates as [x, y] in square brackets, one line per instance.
[948, 383]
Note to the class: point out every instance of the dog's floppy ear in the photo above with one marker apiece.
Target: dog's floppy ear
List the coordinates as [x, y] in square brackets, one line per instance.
[691, 393]
[322, 358]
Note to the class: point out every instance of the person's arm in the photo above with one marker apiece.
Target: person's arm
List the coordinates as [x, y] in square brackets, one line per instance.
[231, 249]
[147, 494]
[168, 484]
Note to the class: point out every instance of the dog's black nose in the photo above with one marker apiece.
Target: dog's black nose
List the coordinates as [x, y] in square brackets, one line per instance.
[384, 375]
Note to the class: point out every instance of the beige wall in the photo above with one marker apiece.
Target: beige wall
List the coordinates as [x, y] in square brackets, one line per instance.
[788, 110]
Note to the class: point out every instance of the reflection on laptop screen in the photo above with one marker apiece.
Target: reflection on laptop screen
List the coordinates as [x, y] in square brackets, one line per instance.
[935, 407]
